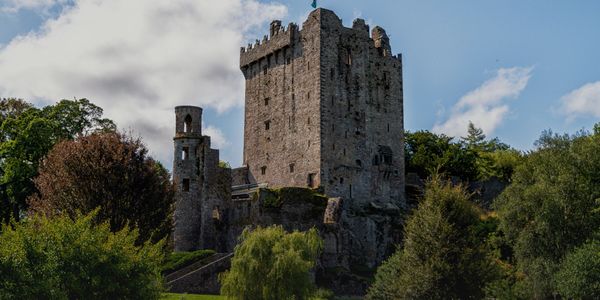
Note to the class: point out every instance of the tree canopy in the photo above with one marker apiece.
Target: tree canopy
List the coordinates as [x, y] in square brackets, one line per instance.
[27, 134]
[269, 263]
[551, 208]
[111, 171]
[444, 254]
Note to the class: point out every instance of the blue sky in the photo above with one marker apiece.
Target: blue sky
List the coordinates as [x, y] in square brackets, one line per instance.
[515, 68]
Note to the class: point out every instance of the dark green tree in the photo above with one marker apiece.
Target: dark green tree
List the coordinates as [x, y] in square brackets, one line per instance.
[269, 263]
[27, 134]
[475, 137]
[444, 254]
[551, 207]
[427, 153]
[111, 171]
[61, 258]
[579, 273]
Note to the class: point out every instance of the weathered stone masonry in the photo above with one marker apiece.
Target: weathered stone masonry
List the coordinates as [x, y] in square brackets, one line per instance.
[324, 108]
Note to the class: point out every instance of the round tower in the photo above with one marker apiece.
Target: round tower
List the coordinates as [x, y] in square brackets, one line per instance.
[188, 177]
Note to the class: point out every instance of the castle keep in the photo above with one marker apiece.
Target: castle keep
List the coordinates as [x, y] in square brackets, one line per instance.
[324, 108]
[324, 111]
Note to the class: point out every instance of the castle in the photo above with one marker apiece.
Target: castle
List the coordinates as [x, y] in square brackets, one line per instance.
[324, 110]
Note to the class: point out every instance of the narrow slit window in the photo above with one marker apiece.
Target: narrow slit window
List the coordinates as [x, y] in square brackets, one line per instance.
[267, 125]
[186, 185]
[263, 170]
[185, 153]
[292, 168]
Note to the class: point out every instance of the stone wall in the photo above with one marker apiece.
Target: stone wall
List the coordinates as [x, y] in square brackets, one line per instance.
[324, 107]
[203, 189]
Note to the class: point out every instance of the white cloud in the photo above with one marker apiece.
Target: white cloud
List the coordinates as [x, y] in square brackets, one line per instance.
[486, 105]
[582, 101]
[138, 59]
[217, 138]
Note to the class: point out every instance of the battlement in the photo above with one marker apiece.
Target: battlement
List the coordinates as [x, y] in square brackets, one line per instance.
[279, 38]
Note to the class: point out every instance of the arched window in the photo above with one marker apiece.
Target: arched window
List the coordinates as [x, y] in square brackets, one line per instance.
[187, 124]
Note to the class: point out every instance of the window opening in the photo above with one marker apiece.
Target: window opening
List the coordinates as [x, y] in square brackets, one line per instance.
[185, 153]
[186, 185]
[187, 124]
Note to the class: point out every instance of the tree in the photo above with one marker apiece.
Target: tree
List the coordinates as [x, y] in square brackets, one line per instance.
[269, 263]
[427, 153]
[62, 258]
[27, 134]
[444, 254]
[111, 171]
[551, 207]
[475, 137]
[579, 273]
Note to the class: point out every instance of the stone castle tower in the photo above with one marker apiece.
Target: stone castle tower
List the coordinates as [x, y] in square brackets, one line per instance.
[203, 189]
[324, 108]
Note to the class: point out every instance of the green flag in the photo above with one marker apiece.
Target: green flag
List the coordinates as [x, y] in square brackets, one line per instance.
[314, 4]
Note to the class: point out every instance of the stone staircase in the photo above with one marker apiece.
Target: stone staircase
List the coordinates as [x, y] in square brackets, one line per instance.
[200, 277]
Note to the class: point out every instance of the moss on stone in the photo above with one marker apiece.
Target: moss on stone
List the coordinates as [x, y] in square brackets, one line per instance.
[274, 198]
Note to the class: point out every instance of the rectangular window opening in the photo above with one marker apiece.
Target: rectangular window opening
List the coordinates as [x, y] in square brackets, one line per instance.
[186, 185]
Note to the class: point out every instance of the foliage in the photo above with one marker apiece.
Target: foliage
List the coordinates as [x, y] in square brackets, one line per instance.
[428, 153]
[322, 294]
[444, 254]
[177, 260]
[27, 134]
[62, 258]
[551, 207]
[579, 273]
[224, 164]
[111, 171]
[269, 263]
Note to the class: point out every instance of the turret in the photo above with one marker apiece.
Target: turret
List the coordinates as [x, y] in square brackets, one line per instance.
[382, 41]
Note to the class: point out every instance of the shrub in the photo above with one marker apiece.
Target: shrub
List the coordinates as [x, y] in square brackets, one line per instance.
[61, 258]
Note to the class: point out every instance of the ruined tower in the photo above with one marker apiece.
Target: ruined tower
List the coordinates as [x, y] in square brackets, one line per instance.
[203, 189]
[324, 108]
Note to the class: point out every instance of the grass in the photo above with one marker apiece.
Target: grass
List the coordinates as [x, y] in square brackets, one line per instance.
[171, 296]
[181, 259]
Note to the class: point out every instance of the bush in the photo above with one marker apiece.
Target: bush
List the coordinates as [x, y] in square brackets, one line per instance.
[270, 263]
[178, 260]
[62, 258]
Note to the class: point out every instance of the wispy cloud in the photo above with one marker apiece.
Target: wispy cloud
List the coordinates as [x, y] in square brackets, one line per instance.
[584, 101]
[137, 59]
[486, 106]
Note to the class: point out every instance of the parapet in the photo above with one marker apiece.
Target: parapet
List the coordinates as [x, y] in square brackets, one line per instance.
[280, 38]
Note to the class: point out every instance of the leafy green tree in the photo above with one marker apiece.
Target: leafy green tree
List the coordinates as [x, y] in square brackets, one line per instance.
[269, 263]
[444, 254]
[27, 134]
[61, 258]
[579, 273]
[427, 153]
[551, 207]
[111, 171]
